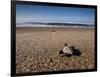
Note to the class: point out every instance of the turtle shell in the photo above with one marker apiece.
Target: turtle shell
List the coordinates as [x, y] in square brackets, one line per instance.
[67, 50]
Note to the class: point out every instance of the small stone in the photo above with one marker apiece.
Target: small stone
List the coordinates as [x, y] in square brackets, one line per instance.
[50, 60]
[83, 66]
[27, 70]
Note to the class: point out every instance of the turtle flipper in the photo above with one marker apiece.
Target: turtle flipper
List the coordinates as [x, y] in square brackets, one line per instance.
[61, 52]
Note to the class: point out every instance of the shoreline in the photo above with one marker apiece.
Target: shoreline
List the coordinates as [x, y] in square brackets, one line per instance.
[55, 28]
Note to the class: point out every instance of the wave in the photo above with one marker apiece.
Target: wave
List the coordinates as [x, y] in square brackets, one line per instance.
[54, 25]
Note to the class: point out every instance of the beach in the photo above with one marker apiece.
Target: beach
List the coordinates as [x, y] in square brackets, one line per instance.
[37, 49]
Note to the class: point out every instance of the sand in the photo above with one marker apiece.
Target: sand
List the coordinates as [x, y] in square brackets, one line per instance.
[37, 49]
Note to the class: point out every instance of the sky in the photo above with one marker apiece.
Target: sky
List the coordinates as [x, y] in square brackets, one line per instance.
[53, 14]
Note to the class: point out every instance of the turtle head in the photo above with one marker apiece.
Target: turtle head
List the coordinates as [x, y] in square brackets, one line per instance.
[66, 44]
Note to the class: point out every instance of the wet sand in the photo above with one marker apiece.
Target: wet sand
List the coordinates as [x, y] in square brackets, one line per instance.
[37, 49]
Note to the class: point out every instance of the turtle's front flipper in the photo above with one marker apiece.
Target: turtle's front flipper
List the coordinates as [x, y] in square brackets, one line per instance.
[61, 52]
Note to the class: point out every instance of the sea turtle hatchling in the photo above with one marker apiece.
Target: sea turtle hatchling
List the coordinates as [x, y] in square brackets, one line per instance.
[70, 50]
